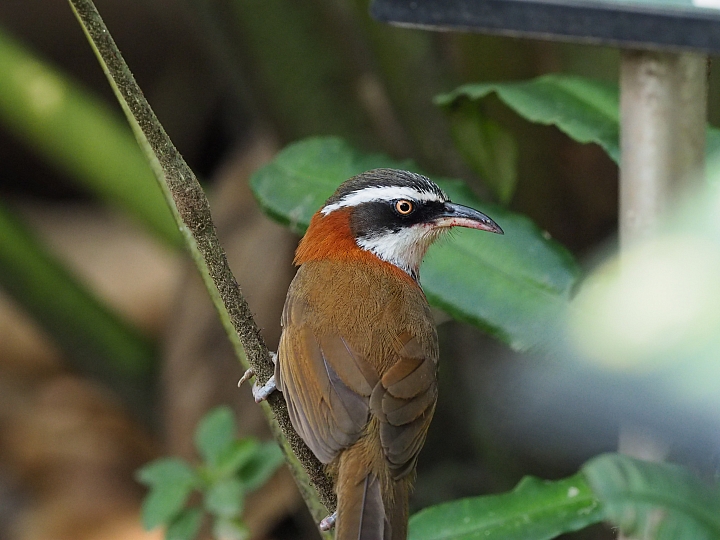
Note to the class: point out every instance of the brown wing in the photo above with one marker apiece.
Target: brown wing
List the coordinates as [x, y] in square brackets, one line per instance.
[326, 385]
[404, 400]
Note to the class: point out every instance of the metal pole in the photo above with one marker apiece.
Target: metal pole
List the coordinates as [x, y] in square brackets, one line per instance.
[663, 103]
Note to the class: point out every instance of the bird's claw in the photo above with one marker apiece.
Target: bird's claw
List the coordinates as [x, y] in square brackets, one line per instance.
[328, 523]
[261, 393]
[246, 377]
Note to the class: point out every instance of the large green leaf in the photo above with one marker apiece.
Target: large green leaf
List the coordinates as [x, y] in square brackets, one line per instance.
[534, 510]
[511, 285]
[584, 109]
[80, 135]
[654, 500]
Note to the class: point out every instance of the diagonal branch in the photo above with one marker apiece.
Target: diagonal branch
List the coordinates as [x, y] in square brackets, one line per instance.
[192, 214]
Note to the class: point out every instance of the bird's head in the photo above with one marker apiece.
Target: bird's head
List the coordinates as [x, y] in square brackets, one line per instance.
[390, 213]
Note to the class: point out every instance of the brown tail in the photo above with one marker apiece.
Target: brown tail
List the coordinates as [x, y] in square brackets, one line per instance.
[362, 512]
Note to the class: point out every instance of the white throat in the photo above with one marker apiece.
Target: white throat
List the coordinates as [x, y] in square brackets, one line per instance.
[405, 248]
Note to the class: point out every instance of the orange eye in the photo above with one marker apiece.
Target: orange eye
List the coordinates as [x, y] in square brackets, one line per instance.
[404, 207]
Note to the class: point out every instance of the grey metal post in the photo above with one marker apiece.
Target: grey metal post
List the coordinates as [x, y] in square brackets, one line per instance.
[663, 103]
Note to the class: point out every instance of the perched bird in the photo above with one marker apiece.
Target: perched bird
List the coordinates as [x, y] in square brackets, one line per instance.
[357, 361]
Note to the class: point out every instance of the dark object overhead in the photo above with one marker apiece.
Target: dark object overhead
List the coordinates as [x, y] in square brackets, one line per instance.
[646, 24]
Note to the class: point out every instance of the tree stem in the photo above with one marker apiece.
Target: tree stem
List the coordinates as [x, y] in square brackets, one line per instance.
[191, 210]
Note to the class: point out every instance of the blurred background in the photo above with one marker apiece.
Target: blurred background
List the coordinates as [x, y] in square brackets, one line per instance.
[93, 387]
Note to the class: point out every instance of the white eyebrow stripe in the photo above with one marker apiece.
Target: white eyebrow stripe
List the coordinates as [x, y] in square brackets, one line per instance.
[382, 193]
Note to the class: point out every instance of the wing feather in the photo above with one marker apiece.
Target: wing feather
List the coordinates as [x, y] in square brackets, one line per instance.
[405, 401]
[324, 383]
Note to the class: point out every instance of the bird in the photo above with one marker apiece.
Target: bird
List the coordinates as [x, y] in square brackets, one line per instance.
[358, 355]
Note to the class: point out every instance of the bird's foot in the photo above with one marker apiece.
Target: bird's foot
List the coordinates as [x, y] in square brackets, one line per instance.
[328, 523]
[260, 393]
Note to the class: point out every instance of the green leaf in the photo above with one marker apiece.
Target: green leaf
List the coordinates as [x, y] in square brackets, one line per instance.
[215, 434]
[186, 526]
[654, 500]
[261, 466]
[534, 510]
[487, 147]
[239, 453]
[171, 482]
[588, 111]
[225, 498]
[512, 285]
[230, 529]
[584, 109]
[166, 471]
[80, 135]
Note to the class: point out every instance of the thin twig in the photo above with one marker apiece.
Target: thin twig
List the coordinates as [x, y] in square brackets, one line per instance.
[192, 213]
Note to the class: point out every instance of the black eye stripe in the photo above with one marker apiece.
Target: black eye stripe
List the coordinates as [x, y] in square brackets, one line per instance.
[381, 217]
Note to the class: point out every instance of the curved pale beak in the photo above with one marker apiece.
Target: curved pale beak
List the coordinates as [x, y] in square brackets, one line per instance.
[457, 215]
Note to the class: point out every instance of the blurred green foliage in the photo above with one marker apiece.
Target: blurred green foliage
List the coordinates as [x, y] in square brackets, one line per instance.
[654, 500]
[230, 469]
[80, 135]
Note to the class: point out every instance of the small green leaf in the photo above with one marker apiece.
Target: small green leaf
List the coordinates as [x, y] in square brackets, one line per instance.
[654, 500]
[215, 434]
[163, 503]
[263, 464]
[236, 456]
[534, 510]
[171, 481]
[230, 529]
[185, 526]
[225, 498]
[166, 471]
[487, 147]
[512, 285]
